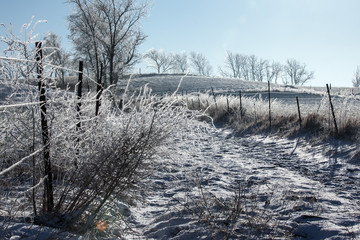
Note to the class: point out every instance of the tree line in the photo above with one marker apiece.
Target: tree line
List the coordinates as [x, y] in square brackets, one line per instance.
[248, 67]
[163, 62]
[106, 35]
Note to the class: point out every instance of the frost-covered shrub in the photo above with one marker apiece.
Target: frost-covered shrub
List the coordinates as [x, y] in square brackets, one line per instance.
[114, 153]
[94, 159]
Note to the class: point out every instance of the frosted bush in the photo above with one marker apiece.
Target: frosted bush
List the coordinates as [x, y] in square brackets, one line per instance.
[99, 161]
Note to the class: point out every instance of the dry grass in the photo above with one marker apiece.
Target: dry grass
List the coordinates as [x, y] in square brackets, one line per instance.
[253, 117]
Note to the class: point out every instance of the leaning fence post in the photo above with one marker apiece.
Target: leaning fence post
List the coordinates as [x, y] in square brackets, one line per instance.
[48, 186]
[332, 110]
[298, 107]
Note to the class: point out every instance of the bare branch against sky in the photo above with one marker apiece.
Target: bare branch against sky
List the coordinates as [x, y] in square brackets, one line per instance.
[323, 34]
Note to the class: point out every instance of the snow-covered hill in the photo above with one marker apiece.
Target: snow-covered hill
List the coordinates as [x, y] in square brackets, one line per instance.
[161, 83]
[168, 83]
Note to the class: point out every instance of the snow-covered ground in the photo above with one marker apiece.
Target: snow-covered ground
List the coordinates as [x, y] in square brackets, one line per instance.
[211, 183]
[287, 189]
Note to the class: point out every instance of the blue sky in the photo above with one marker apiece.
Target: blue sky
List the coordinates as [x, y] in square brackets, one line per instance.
[323, 34]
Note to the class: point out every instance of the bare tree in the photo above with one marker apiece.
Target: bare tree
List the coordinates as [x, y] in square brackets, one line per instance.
[356, 79]
[56, 55]
[238, 66]
[232, 65]
[244, 67]
[110, 27]
[260, 69]
[250, 68]
[223, 72]
[159, 60]
[252, 64]
[273, 71]
[200, 64]
[180, 62]
[152, 58]
[83, 33]
[296, 73]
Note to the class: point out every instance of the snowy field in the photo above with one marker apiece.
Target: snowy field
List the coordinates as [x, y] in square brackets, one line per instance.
[161, 83]
[278, 188]
[309, 97]
[210, 183]
[169, 83]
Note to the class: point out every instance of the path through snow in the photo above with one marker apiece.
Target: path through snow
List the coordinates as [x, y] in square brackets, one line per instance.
[286, 189]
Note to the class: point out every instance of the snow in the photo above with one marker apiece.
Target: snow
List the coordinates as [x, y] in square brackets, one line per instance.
[17, 231]
[212, 183]
[162, 83]
[287, 189]
[300, 192]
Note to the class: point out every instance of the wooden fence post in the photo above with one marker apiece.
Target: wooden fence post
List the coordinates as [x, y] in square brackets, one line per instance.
[199, 100]
[79, 95]
[212, 90]
[48, 201]
[269, 103]
[298, 107]
[99, 90]
[78, 107]
[332, 110]
[241, 109]
[227, 103]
